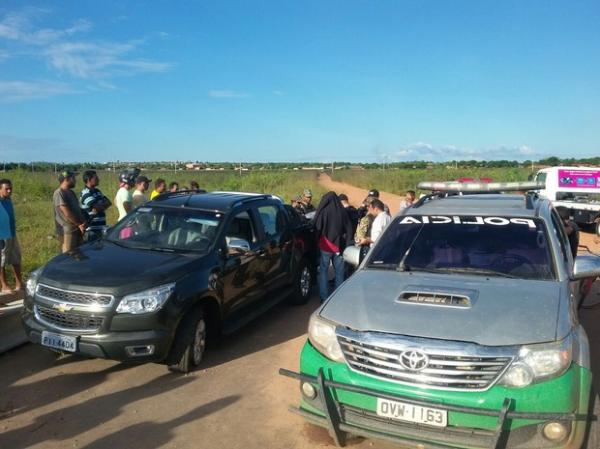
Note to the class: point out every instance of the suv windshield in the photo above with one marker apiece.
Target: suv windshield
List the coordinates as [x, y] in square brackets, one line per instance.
[163, 229]
[496, 246]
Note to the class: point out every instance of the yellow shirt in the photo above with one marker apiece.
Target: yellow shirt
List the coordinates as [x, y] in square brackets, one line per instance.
[153, 194]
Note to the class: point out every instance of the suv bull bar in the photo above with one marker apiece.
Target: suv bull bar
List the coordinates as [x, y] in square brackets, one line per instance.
[337, 427]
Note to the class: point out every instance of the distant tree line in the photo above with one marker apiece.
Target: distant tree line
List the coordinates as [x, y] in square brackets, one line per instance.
[181, 165]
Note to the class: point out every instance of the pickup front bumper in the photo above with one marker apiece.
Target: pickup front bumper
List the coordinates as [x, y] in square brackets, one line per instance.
[341, 419]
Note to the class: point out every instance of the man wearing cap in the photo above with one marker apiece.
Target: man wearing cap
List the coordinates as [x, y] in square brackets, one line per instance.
[70, 222]
[304, 205]
[141, 187]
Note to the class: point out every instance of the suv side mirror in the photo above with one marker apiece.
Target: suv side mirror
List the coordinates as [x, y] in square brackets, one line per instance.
[238, 246]
[586, 267]
[352, 255]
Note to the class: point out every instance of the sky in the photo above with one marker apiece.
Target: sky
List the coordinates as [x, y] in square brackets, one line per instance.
[308, 80]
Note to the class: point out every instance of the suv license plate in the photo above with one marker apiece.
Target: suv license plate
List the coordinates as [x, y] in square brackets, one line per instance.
[57, 341]
[412, 413]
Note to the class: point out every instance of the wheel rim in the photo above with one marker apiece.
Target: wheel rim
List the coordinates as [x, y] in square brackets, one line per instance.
[304, 281]
[199, 342]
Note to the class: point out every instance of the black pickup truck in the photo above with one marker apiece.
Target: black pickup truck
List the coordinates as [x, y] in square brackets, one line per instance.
[171, 273]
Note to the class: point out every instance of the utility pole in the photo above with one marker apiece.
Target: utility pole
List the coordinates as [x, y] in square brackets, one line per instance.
[332, 168]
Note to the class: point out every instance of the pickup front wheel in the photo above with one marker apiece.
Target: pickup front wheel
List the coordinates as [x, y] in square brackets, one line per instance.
[188, 348]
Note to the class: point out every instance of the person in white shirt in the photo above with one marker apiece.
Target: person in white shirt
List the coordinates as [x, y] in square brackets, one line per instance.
[139, 197]
[123, 199]
[408, 200]
[382, 219]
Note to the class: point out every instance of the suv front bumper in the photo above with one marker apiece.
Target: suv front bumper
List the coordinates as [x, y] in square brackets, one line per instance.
[497, 418]
[110, 345]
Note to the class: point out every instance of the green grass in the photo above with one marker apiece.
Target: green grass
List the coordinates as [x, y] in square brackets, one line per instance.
[398, 181]
[32, 198]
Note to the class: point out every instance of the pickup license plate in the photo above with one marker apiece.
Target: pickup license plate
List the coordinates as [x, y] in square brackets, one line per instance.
[57, 341]
[412, 413]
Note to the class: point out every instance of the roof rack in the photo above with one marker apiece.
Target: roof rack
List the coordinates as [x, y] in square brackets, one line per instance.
[480, 187]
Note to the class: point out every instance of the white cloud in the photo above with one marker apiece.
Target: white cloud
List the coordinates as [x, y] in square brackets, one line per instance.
[66, 53]
[279, 93]
[16, 91]
[216, 93]
[439, 153]
[99, 60]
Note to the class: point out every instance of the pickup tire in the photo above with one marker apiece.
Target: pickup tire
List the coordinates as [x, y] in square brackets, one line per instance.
[189, 345]
[592, 431]
[303, 281]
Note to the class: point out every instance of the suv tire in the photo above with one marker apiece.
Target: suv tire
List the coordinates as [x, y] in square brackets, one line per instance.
[188, 347]
[303, 280]
[592, 431]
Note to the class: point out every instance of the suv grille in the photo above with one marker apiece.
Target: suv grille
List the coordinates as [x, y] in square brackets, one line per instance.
[68, 320]
[60, 295]
[437, 369]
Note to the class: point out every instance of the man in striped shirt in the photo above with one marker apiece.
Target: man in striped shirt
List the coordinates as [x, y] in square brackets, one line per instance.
[94, 205]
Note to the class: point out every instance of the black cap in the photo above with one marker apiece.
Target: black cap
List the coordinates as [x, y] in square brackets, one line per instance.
[66, 174]
[374, 192]
[343, 197]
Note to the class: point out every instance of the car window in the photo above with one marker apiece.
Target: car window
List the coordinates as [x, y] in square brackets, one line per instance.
[241, 227]
[541, 177]
[502, 246]
[167, 229]
[272, 219]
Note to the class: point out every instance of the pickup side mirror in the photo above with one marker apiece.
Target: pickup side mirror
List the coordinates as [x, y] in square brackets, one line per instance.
[237, 246]
[352, 256]
[586, 267]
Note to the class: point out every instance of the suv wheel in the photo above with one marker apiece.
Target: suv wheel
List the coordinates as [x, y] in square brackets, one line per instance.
[303, 281]
[188, 348]
[592, 432]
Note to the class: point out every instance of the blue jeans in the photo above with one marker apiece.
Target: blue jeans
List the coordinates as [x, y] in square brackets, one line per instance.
[338, 266]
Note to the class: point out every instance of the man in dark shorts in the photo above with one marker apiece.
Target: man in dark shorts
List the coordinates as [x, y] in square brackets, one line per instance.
[10, 251]
[70, 222]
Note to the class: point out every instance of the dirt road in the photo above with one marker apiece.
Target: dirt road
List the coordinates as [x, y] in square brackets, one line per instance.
[237, 401]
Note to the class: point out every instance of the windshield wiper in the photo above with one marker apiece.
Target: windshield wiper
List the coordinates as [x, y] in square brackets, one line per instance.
[467, 270]
[382, 266]
[158, 248]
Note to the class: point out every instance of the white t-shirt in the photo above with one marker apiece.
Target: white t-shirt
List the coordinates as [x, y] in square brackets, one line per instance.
[379, 224]
[139, 198]
[123, 196]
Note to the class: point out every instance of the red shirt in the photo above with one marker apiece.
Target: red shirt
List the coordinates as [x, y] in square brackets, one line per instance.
[326, 245]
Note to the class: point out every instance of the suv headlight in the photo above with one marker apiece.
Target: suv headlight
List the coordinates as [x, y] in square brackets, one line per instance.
[539, 362]
[147, 301]
[321, 334]
[32, 281]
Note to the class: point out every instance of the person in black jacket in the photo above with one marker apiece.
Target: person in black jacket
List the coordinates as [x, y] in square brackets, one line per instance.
[335, 233]
[350, 210]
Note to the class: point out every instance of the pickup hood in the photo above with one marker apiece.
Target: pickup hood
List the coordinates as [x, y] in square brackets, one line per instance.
[109, 268]
[500, 311]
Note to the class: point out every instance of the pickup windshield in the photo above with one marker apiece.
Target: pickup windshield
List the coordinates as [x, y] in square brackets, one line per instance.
[488, 246]
[165, 229]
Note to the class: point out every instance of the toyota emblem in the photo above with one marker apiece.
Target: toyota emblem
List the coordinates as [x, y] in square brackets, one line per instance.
[413, 360]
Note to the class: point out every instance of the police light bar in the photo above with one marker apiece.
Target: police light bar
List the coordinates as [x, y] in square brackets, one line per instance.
[481, 187]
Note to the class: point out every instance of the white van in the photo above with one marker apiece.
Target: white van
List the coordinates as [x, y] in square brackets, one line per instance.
[577, 188]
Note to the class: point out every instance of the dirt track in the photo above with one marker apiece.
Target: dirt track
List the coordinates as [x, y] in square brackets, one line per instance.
[237, 401]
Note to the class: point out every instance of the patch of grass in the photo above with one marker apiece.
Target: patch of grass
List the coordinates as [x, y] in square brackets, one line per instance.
[398, 181]
[32, 198]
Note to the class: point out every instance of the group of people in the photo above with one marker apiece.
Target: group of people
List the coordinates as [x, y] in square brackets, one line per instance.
[340, 224]
[75, 217]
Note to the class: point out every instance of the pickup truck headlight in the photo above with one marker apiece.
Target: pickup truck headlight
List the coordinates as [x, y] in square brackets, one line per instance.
[321, 334]
[539, 362]
[31, 283]
[147, 301]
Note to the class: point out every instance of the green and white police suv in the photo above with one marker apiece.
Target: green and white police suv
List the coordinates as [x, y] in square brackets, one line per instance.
[458, 330]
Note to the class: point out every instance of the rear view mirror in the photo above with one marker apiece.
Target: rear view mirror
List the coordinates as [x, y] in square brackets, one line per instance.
[586, 266]
[238, 246]
[352, 256]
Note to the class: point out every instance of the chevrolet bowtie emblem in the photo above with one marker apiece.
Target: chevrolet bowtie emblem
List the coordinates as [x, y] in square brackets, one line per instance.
[62, 307]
